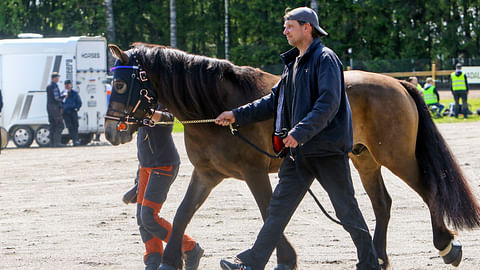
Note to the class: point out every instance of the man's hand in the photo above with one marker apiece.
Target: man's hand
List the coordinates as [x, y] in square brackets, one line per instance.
[157, 115]
[226, 118]
[290, 141]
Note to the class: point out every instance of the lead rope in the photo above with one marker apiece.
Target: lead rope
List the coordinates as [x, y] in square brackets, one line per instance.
[185, 122]
[236, 132]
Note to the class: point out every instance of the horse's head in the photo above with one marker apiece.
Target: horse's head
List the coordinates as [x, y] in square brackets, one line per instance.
[132, 99]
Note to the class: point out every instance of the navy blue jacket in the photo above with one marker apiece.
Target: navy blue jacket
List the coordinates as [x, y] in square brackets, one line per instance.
[321, 119]
[155, 146]
[72, 102]
[1, 101]
[54, 98]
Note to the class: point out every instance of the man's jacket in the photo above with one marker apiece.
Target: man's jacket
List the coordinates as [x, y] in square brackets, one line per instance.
[54, 99]
[321, 119]
[155, 145]
[1, 101]
[72, 102]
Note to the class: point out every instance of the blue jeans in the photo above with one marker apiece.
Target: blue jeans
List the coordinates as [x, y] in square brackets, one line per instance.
[440, 107]
[463, 109]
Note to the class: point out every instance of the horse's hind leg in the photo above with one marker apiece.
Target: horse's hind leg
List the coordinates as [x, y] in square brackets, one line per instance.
[198, 190]
[259, 184]
[409, 171]
[372, 181]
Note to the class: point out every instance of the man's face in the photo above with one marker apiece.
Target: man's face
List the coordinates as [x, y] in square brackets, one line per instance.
[295, 32]
[68, 86]
[55, 79]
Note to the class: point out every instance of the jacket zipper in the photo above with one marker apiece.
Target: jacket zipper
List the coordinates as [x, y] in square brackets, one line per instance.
[294, 87]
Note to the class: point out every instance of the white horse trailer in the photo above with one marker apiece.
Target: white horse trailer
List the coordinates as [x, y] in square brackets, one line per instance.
[25, 69]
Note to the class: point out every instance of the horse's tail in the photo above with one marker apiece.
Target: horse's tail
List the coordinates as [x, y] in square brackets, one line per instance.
[449, 189]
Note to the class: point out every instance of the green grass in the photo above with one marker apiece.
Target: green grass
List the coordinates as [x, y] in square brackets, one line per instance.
[177, 127]
[474, 106]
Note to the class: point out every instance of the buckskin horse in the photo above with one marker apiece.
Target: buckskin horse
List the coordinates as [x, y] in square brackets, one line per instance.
[392, 128]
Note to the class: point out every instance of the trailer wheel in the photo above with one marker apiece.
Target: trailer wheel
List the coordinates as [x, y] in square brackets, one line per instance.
[85, 138]
[42, 136]
[4, 135]
[22, 136]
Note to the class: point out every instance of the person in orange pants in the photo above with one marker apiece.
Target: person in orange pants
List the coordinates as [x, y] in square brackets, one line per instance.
[159, 164]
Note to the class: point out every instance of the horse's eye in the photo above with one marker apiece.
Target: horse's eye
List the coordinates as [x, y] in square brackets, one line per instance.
[119, 86]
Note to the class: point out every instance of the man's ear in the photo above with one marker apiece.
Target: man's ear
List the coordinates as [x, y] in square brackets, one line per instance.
[118, 53]
[308, 26]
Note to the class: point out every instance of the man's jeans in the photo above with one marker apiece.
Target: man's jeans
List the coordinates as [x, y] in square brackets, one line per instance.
[333, 173]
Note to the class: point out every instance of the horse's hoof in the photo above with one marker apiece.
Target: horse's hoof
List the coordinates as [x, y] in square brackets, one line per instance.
[452, 254]
[166, 267]
[285, 267]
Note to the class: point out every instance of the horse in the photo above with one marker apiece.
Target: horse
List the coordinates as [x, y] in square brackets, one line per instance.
[392, 128]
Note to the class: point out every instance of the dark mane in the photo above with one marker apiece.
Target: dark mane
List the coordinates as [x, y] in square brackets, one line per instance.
[198, 86]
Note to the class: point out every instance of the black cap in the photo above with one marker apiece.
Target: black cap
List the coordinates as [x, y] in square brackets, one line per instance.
[306, 14]
[68, 81]
[55, 74]
[459, 65]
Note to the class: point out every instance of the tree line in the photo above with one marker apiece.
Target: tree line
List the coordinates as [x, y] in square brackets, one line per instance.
[382, 35]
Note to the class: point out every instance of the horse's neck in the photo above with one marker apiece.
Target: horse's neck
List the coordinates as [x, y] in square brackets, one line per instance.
[179, 105]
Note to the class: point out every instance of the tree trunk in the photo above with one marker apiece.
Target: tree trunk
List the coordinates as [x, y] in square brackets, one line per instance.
[110, 29]
[314, 5]
[226, 29]
[173, 24]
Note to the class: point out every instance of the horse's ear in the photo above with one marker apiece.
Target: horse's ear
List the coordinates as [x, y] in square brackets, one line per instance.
[118, 53]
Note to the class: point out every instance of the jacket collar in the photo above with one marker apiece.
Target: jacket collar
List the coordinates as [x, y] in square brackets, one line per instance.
[290, 55]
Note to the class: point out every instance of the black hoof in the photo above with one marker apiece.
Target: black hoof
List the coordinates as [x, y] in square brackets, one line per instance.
[166, 267]
[452, 254]
[285, 267]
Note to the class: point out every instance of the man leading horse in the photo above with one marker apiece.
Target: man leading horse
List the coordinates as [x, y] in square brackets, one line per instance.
[309, 102]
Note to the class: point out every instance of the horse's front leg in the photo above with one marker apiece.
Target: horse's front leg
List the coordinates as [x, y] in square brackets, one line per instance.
[198, 190]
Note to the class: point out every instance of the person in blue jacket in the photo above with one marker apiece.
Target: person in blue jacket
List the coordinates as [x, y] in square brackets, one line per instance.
[1, 107]
[55, 110]
[311, 104]
[71, 105]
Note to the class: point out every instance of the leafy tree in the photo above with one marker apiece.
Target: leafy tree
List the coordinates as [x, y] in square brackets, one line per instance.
[52, 18]
[385, 35]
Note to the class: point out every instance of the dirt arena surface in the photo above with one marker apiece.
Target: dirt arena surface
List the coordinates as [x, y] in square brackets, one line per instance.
[448, 94]
[60, 208]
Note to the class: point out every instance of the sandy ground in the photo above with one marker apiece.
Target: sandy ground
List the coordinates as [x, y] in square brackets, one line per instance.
[448, 94]
[61, 209]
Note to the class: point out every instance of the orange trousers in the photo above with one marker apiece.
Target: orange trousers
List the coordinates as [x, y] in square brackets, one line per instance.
[153, 187]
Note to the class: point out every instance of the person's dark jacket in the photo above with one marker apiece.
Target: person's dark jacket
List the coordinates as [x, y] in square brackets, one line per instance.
[72, 102]
[54, 99]
[321, 120]
[1, 101]
[436, 93]
[155, 146]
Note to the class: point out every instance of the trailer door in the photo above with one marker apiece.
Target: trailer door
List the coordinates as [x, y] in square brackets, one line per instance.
[91, 76]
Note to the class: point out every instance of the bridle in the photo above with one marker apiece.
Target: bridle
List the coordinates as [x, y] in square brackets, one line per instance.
[146, 99]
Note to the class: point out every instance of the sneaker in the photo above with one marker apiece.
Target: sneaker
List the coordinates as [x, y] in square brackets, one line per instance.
[192, 257]
[285, 267]
[131, 195]
[152, 266]
[226, 265]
